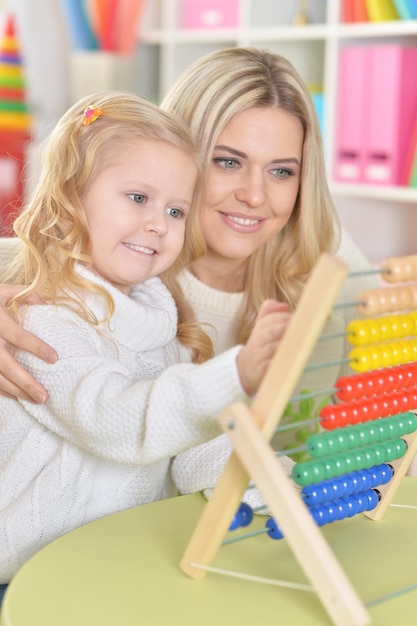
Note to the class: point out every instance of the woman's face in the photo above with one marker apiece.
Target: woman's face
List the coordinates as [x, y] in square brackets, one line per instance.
[253, 182]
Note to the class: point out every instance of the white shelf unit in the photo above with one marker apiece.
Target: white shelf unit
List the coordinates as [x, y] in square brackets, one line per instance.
[380, 218]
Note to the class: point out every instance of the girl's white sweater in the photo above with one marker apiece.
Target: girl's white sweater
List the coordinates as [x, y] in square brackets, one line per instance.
[122, 401]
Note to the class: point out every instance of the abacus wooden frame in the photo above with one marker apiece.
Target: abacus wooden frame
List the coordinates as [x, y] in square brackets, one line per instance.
[250, 430]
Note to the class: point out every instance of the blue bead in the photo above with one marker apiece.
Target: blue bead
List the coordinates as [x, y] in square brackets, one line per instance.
[332, 511]
[356, 482]
[235, 523]
[320, 515]
[312, 494]
[347, 485]
[387, 472]
[352, 506]
[274, 531]
[375, 474]
[338, 488]
[366, 479]
[373, 499]
[246, 514]
[342, 508]
[243, 517]
[362, 503]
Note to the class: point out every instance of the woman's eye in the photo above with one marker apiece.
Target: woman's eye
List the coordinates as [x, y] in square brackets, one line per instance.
[227, 164]
[282, 173]
[139, 198]
[176, 213]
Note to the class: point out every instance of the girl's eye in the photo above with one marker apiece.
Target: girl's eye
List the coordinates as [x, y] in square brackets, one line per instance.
[176, 213]
[227, 164]
[139, 198]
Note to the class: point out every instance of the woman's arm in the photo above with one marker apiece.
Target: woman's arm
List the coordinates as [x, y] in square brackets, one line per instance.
[15, 381]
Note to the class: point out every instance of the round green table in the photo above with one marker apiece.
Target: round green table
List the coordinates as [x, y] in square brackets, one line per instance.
[123, 571]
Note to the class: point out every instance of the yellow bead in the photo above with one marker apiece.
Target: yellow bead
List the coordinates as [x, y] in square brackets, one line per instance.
[358, 332]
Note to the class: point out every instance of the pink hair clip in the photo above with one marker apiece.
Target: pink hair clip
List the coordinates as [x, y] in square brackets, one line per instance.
[91, 114]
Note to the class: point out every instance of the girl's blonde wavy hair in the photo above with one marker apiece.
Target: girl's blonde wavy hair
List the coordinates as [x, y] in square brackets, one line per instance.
[207, 96]
[53, 226]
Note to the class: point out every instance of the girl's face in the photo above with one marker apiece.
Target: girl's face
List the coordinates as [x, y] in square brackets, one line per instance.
[136, 209]
[253, 182]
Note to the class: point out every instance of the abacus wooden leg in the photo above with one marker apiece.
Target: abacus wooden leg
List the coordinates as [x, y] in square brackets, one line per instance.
[400, 467]
[267, 407]
[305, 539]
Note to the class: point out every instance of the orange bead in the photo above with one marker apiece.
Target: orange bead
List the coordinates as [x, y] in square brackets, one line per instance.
[413, 292]
[386, 300]
[400, 269]
[370, 302]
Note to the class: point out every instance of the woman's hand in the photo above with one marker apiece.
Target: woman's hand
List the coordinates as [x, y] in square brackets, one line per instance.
[254, 358]
[15, 381]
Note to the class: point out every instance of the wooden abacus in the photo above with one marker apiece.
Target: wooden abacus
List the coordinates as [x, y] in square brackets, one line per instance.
[251, 428]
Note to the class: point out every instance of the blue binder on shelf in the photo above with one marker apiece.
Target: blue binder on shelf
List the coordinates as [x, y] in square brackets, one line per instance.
[406, 9]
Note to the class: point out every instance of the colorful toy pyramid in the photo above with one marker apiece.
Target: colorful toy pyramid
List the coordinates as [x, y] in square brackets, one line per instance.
[15, 128]
[14, 111]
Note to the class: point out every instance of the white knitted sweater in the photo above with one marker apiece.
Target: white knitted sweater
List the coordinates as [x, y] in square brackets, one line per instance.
[199, 469]
[115, 416]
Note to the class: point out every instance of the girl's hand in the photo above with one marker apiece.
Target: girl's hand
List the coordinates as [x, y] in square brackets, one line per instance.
[15, 381]
[254, 358]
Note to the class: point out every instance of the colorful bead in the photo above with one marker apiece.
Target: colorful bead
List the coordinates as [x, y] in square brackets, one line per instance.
[243, 517]
[312, 471]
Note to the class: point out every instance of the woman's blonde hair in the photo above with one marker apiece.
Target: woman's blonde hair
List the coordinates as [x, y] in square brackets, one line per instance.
[53, 225]
[206, 97]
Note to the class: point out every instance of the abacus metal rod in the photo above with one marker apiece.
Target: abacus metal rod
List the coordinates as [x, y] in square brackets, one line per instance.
[376, 270]
[293, 425]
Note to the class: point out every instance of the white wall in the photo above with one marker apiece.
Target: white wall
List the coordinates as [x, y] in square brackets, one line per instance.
[380, 228]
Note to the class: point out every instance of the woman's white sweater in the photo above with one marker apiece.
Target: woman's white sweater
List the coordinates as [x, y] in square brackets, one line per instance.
[199, 469]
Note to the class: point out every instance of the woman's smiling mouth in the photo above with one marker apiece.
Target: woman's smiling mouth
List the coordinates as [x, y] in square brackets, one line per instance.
[240, 223]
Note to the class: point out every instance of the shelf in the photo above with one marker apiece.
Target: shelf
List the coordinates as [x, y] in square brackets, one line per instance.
[374, 29]
[375, 192]
[167, 49]
[273, 33]
[287, 33]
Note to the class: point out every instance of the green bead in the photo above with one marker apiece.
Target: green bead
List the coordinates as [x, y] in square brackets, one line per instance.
[308, 472]
[370, 457]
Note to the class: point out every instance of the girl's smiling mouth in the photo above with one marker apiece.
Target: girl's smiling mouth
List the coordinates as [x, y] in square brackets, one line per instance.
[138, 248]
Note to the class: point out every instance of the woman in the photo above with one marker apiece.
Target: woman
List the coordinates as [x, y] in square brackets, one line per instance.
[266, 215]
[240, 103]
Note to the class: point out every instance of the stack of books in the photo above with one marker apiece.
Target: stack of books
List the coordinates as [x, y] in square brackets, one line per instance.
[377, 10]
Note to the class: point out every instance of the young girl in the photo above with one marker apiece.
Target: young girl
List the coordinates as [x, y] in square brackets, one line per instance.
[109, 215]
